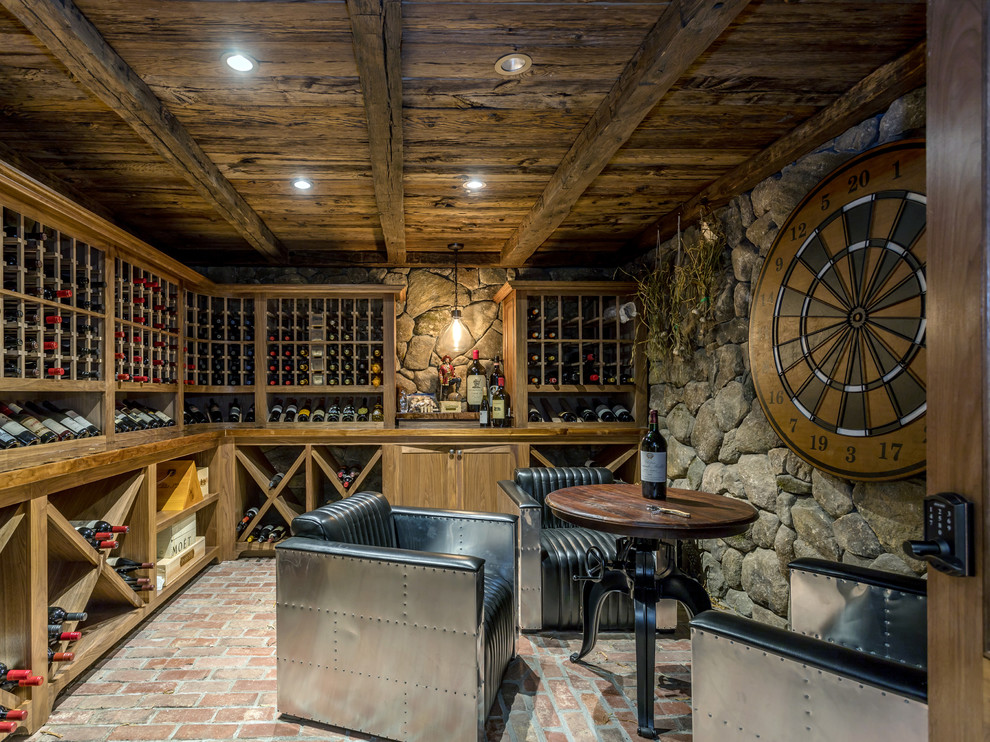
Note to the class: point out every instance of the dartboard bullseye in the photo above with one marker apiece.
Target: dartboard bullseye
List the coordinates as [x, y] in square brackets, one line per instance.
[837, 329]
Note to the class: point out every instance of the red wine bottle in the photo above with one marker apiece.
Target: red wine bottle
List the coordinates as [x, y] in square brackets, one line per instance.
[99, 525]
[54, 656]
[6, 675]
[55, 634]
[7, 714]
[245, 519]
[75, 416]
[123, 564]
[653, 461]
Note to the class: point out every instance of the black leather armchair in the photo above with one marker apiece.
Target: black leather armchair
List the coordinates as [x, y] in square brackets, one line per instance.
[395, 622]
[851, 667]
[552, 552]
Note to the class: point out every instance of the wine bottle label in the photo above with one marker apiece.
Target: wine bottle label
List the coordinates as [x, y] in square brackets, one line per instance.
[483, 418]
[653, 466]
[498, 409]
[476, 389]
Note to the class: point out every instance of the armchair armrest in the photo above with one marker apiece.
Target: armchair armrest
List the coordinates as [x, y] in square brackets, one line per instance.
[349, 610]
[752, 681]
[868, 610]
[513, 499]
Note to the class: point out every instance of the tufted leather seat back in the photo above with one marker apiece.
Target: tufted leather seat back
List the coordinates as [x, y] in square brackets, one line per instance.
[363, 518]
[541, 481]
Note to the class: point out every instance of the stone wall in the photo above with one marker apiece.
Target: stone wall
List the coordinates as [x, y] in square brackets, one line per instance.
[720, 441]
[424, 314]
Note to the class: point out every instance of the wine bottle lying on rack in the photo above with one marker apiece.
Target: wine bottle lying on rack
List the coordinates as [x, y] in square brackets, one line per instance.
[58, 615]
[75, 417]
[7, 714]
[122, 565]
[245, 519]
[55, 634]
[43, 434]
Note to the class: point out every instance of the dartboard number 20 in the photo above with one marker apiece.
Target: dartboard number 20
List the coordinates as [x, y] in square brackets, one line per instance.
[837, 329]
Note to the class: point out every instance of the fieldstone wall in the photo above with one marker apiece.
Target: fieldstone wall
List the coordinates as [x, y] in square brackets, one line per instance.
[719, 440]
[425, 313]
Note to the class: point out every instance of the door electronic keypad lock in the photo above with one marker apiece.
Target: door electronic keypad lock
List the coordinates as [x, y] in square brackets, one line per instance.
[948, 542]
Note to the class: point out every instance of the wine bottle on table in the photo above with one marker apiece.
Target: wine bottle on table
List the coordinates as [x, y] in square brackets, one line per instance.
[493, 377]
[484, 411]
[653, 461]
[476, 383]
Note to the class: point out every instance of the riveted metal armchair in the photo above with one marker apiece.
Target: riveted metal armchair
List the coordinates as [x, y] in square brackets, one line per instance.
[852, 666]
[552, 553]
[396, 622]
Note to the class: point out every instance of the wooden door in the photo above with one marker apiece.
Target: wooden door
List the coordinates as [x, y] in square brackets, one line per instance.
[479, 469]
[421, 476]
[959, 673]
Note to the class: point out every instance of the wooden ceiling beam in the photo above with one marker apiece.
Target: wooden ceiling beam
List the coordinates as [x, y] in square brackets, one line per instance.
[376, 27]
[681, 34]
[78, 45]
[871, 95]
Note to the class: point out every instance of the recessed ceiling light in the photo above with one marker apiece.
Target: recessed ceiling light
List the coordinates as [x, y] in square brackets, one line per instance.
[513, 64]
[240, 62]
[302, 184]
[474, 184]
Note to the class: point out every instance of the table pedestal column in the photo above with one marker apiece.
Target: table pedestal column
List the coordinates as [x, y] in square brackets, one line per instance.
[634, 571]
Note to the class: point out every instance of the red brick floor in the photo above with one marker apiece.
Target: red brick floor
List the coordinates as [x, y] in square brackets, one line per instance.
[203, 668]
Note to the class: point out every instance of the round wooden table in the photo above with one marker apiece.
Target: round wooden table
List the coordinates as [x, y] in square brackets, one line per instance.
[621, 509]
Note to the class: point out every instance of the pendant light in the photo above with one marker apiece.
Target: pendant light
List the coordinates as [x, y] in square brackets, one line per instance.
[456, 338]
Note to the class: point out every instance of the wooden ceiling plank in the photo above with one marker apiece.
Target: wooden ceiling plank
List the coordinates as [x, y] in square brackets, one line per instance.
[377, 32]
[78, 45]
[683, 32]
[872, 94]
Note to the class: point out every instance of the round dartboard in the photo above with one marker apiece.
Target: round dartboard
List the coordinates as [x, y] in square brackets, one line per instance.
[837, 327]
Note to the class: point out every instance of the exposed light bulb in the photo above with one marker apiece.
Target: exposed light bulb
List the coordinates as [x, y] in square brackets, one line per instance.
[239, 62]
[456, 338]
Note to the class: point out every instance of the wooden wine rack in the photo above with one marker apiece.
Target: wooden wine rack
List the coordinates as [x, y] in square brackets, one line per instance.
[219, 344]
[146, 332]
[551, 328]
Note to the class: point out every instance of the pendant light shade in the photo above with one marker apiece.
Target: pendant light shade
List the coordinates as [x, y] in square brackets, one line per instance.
[456, 337]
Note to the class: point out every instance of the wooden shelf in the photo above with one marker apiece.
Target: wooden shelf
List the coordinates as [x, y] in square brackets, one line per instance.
[165, 518]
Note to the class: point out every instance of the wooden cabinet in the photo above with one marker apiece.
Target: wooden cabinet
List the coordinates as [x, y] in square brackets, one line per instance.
[450, 476]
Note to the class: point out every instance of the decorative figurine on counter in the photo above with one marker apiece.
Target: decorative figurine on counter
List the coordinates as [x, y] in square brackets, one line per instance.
[449, 381]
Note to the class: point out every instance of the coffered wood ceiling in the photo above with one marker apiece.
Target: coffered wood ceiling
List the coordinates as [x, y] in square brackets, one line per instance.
[632, 113]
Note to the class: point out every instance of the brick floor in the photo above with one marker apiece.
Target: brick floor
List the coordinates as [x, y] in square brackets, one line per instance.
[203, 668]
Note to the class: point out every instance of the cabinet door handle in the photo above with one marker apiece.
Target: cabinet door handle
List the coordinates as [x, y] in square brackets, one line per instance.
[450, 453]
[459, 452]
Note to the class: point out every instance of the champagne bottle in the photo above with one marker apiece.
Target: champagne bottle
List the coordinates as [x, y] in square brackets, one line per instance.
[276, 412]
[476, 383]
[653, 461]
[58, 615]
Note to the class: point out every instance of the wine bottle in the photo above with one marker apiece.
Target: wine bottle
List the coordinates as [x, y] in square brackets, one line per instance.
[164, 419]
[277, 533]
[622, 414]
[276, 412]
[305, 411]
[266, 532]
[603, 412]
[78, 431]
[362, 411]
[653, 461]
[79, 419]
[484, 411]
[378, 412]
[6, 727]
[63, 433]
[548, 411]
[123, 564]
[566, 413]
[291, 410]
[197, 415]
[493, 377]
[7, 440]
[7, 714]
[144, 420]
[333, 413]
[253, 536]
[249, 417]
[320, 413]
[99, 525]
[213, 412]
[235, 412]
[55, 634]
[6, 675]
[585, 412]
[535, 416]
[245, 519]
[500, 406]
[347, 414]
[273, 483]
[58, 615]
[39, 431]
[476, 383]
